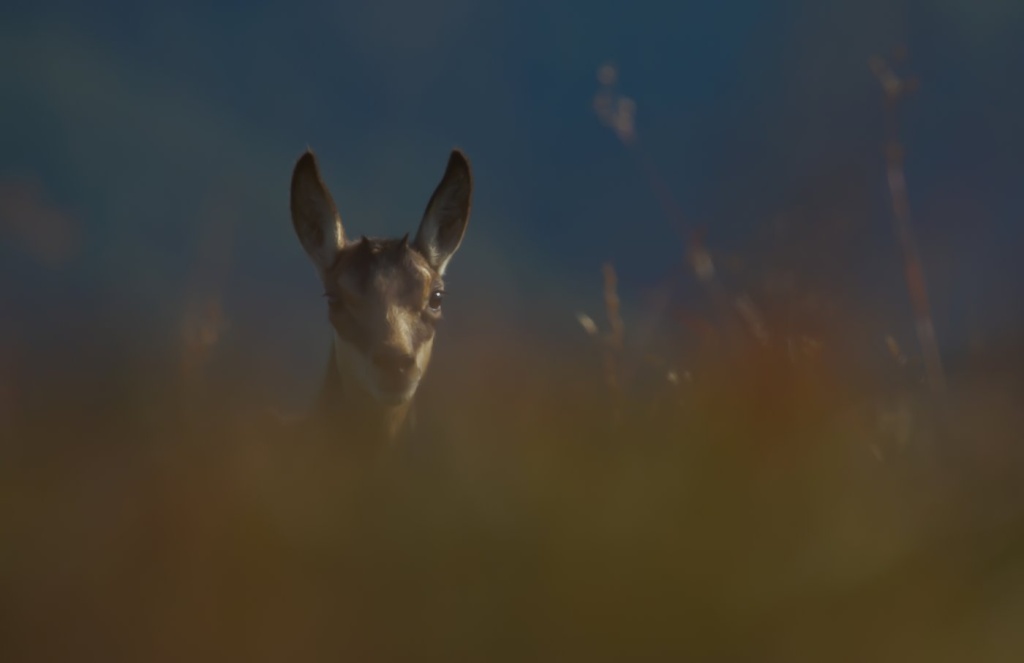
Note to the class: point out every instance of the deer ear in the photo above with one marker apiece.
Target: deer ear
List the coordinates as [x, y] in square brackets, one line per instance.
[447, 214]
[314, 216]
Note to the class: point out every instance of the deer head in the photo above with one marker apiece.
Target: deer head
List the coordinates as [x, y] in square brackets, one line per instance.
[384, 296]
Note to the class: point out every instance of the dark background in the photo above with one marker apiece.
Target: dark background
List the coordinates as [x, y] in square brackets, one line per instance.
[146, 150]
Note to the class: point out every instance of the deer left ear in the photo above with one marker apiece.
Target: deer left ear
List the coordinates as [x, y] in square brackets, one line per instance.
[314, 215]
[447, 214]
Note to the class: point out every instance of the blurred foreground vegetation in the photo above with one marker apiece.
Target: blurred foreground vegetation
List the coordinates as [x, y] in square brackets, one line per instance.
[767, 503]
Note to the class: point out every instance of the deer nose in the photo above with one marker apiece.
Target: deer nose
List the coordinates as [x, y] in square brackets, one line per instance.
[393, 360]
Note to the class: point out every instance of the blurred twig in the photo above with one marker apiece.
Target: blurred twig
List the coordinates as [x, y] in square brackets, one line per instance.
[618, 112]
[895, 89]
[614, 341]
[616, 328]
[204, 321]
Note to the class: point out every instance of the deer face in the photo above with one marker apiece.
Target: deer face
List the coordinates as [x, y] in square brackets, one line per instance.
[384, 302]
[384, 295]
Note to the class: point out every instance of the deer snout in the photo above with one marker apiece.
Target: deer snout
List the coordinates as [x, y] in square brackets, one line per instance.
[393, 360]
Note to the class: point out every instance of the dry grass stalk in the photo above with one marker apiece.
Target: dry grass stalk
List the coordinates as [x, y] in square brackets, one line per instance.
[616, 340]
[895, 89]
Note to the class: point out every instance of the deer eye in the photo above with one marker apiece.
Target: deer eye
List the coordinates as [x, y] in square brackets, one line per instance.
[435, 300]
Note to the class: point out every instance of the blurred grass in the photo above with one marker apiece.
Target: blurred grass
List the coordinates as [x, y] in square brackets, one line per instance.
[757, 510]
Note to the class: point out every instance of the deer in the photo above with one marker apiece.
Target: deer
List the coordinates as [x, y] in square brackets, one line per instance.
[384, 300]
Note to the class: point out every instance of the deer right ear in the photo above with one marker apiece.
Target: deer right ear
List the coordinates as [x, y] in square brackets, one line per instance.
[447, 214]
[314, 215]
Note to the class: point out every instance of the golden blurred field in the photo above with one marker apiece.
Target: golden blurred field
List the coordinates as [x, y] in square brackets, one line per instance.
[767, 504]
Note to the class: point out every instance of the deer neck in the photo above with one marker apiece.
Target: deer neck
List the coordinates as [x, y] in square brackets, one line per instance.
[354, 412]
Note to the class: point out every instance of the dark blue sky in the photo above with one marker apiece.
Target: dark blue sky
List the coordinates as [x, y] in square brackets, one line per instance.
[153, 129]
